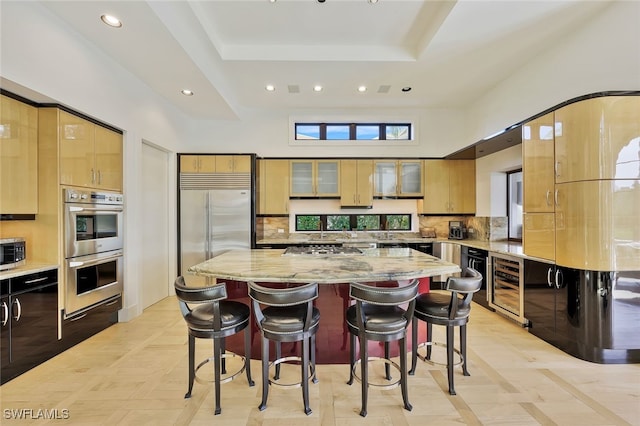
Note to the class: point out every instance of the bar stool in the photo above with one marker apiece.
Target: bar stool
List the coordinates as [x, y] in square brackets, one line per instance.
[377, 315]
[214, 318]
[288, 316]
[449, 309]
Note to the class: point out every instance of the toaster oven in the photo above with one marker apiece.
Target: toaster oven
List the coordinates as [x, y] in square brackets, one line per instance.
[12, 253]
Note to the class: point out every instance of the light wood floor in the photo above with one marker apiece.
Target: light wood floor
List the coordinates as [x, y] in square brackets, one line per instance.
[136, 374]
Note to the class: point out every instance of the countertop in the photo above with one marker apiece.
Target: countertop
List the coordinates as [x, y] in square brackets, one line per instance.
[502, 247]
[269, 265]
[28, 267]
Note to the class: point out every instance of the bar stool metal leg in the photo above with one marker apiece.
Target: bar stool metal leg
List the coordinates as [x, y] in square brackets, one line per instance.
[364, 375]
[463, 349]
[352, 357]
[265, 373]
[217, 355]
[192, 373]
[403, 372]
[304, 378]
[247, 355]
[452, 391]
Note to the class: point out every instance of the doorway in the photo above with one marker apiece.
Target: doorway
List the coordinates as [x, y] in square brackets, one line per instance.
[154, 257]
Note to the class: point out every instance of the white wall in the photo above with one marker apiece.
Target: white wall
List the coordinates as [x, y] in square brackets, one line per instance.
[604, 55]
[491, 181]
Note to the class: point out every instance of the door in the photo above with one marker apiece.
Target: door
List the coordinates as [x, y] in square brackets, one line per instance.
[154, 260]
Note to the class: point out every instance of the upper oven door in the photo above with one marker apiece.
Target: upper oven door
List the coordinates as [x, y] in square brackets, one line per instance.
[92, 228]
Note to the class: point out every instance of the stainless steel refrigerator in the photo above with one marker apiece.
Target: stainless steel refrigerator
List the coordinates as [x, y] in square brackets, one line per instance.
[216, 216]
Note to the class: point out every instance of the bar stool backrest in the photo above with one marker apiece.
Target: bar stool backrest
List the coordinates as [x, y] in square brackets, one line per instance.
[198, 295]
[283, 297]
[467, 284]
[386, 296]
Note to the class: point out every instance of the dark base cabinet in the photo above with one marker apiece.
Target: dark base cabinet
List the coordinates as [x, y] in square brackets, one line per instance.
[589, 314]
[84, 325]
[477, 259]
[29, 334]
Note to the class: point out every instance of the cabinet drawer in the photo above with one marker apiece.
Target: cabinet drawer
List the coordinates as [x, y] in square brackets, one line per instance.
[84, 325]
[30, 281]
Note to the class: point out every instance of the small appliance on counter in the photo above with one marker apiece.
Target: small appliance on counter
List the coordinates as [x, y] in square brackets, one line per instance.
[457, 231]
[12, 253]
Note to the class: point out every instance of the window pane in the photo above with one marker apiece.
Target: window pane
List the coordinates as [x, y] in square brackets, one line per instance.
[400, 222]
[369, 222]
[307, 222]
[398, 132]
[337, 132]
[307, 131]
[367, 132]
[337, 222]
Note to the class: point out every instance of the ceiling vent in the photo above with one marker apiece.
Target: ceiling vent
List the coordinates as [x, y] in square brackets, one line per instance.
[384, 88]
[293, 88]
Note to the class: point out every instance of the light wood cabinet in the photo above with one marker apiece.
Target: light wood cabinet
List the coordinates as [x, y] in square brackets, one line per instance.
[356, 183]
[315, 178]
[233, 163]
[90, 155]
[18, 157]
[598, 139]
[398, 178]
[211, 163]
[197, 164]
[538, 164]
[273, 187]
[450, 187]
[597, 225]
[539, 235]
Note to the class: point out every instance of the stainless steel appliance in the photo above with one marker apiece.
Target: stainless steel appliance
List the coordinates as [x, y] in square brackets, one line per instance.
[93, 247]
[457, 231]
[505, 286]
[477, 259]
[321, 250]
[12, 253]
[449, 252]
[215, 216]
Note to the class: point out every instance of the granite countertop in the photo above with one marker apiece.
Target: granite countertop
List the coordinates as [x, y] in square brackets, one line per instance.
[28, 267]
[502, 247]
[269, 265]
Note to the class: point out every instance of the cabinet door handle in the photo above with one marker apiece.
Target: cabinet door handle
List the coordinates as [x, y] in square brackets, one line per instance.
[19, 313]
[555, 197]
[99, 177]
[36, 280]
[5, 314]
[559, 280]
[93, 176]
[549, 283]
[548, 198]
[557, 168]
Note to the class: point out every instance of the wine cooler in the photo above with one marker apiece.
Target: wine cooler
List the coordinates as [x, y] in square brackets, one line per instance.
[506, 286]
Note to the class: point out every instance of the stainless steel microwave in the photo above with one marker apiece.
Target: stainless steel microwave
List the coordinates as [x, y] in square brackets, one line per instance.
[12, 252]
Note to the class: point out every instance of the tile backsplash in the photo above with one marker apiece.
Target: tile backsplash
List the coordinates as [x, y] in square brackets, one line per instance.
[478, 228]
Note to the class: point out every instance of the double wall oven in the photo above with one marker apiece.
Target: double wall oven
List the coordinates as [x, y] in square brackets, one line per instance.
[93, 249]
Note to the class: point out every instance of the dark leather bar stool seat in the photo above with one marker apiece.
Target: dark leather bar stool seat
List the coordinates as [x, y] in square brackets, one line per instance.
[287, 315]
[378, 315]
[450, 308]
[213, 318]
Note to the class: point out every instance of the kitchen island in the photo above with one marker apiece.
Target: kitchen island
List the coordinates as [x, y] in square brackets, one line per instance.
[334, 272]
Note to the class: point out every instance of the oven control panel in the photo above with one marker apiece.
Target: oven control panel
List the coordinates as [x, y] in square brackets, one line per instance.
[92, 197]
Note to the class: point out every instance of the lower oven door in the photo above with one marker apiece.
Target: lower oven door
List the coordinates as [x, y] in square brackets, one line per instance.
[92, 279]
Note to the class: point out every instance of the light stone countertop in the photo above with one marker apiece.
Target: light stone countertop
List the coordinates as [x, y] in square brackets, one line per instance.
[269, 265]
[503, 247]
[28, 267]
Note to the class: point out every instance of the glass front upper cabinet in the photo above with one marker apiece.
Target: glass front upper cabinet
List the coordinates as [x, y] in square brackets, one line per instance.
[401, 178]
[315, 178]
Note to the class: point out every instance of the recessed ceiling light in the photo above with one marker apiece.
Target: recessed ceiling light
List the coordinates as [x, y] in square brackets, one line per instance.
[272, 1]
[373, 1]
[362, 88]
[406, 89]
[187, 92]
[111, 20]
[270, 87]
[317, 88]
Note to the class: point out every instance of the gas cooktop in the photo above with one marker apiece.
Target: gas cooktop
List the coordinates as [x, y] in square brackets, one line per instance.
[321, 250]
